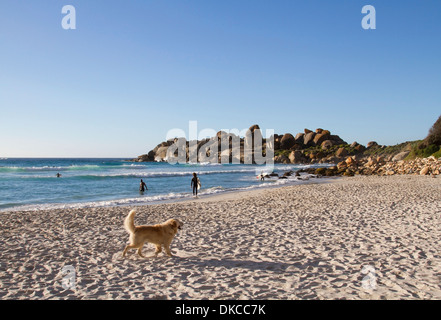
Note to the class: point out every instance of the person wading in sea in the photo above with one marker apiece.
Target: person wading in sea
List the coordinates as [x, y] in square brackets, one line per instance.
[195, 183]
[142, 186]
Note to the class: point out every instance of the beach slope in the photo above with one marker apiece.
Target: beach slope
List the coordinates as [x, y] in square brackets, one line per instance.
[353, 238]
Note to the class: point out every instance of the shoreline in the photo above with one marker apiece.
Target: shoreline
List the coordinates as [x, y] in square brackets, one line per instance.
[311, 179]
[313, 241]
[234, 194]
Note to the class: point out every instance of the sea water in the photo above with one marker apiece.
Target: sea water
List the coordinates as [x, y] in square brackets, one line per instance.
[32, 184]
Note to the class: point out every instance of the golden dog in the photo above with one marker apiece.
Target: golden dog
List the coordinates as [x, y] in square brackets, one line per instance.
[159, 234]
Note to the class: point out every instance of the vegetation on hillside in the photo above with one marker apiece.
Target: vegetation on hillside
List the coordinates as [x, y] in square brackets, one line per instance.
[434, 136]
[430, 146]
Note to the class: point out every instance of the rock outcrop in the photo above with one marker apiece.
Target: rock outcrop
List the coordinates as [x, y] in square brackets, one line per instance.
[307, 147]
[379, 166]
[320, 139]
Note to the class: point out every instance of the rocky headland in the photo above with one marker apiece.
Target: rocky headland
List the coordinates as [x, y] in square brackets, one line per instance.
[321, 147]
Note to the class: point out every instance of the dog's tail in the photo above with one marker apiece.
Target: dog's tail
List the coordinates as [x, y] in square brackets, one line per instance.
[129, 222]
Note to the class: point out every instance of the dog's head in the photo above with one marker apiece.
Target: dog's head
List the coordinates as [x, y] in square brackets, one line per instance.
[175, 224]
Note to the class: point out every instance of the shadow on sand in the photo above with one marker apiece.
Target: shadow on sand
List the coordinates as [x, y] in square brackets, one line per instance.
[231, 263]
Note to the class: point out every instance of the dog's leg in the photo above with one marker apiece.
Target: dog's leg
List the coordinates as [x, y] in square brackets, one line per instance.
[139, 250]
[167, 249]
[127, 248]
[158, 249]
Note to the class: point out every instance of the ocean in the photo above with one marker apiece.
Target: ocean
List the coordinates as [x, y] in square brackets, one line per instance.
[32, 184]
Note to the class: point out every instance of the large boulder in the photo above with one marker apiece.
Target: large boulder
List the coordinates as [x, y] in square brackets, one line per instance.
[146, 157]
[151, 156]
[161, 153]
[308, 140]
[281, 159]
[424, 171]
[341, 153]
[254, 127]
[327, 144]
[400, 156]
[371, 162]
[360, 148]
[337, 140]
[287, 141]
[299, 138]
[322, 136]
[342, 165]
[297, 157]
[142, 158]
[371, 144]
[162, 144]
[350, 161]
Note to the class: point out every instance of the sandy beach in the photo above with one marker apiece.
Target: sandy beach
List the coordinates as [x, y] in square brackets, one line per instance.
[363, 237]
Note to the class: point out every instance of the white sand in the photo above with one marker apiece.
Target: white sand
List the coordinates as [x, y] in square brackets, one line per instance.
[299, 242]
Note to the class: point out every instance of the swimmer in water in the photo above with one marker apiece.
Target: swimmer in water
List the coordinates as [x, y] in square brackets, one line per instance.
[142, 186]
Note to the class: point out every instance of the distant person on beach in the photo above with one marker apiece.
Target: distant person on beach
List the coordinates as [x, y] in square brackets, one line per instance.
[142, 186]
[195, 184]
[58, 175]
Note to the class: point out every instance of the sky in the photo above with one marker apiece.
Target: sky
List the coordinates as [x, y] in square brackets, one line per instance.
[133, 70]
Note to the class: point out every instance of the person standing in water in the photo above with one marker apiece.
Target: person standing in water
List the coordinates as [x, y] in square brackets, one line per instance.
[142, 186]
[195, 184]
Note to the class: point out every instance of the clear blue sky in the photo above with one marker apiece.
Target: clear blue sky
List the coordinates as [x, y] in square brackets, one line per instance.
[132, 70]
